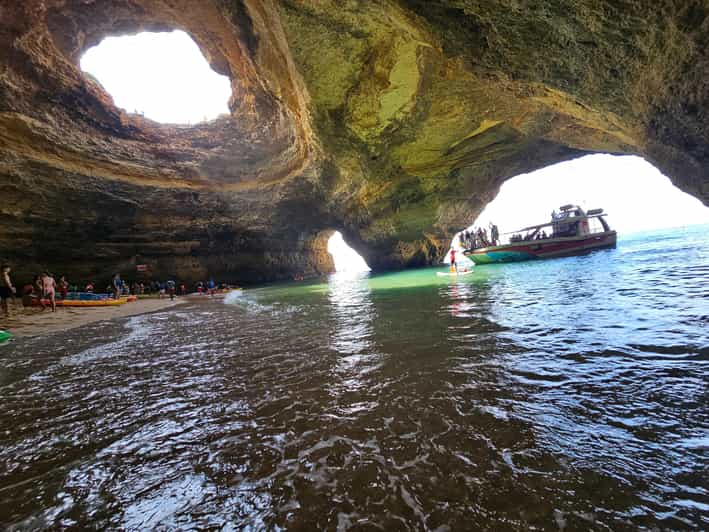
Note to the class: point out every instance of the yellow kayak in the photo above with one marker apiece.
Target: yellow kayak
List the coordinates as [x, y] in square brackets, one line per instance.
[81, 303]
[99, 303]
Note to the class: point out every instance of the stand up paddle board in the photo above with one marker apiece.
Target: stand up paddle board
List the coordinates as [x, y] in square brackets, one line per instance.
[454, 274]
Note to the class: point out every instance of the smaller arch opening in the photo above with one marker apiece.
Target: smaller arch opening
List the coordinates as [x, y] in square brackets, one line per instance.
[345, 258]
[162, 76]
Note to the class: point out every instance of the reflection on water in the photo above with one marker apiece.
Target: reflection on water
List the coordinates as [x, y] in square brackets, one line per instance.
[566, 394]
[352, 331]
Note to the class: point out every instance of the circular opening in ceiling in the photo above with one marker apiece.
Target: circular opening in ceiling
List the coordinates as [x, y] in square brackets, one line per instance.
[162, 76]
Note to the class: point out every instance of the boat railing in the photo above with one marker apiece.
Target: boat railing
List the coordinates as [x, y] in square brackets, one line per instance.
[568, 226]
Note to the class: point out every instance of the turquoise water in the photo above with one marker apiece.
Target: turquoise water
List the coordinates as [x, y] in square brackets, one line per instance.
[560, 394]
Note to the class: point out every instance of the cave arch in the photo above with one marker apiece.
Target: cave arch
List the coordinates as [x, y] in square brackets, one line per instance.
[392, 121]
[633, 193]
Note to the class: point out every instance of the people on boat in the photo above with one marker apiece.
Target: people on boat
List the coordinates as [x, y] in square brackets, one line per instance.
[494, 234]
[7, 290]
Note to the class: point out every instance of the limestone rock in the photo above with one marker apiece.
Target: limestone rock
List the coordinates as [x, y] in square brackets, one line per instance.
[392, 121]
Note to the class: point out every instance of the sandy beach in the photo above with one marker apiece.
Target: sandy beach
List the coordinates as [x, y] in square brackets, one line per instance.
[33, 321]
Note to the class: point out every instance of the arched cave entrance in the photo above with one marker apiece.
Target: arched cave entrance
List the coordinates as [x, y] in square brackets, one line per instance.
[635, 195]
[345, 258]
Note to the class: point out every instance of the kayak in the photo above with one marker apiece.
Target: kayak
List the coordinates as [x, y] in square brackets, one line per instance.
[86, 296]
[99, 303]
[80, 303]
[4, 336]
[454, 274]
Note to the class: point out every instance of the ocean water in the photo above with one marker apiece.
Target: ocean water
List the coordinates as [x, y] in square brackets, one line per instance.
[568, 394]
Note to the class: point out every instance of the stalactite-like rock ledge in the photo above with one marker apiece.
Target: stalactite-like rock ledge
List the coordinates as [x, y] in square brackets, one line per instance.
[392, 121]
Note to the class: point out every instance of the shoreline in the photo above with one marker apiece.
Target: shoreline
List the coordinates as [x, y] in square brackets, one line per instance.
[32, 321]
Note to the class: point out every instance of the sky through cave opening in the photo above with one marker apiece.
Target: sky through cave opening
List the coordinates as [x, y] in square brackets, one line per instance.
[345, 258]
[162, 76]
[635, 195]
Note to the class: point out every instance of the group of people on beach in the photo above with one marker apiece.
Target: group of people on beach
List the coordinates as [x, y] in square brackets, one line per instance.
[44, 287]
[210, 287]
[44, 290]
[478, 238]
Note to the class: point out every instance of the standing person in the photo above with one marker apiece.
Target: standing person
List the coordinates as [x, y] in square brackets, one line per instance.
[454, 266]
[117, 285]
[494, 234]
[39, 289]
[63, 287]
[7, 290]
[171, 289]
[49, 287]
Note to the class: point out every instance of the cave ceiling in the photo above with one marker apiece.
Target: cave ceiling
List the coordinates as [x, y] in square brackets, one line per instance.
[395, 122]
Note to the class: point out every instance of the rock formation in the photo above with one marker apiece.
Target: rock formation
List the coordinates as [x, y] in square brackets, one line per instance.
[394, 121]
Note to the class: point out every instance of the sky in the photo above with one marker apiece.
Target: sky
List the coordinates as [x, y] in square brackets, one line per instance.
[166, 77]
[163, 75]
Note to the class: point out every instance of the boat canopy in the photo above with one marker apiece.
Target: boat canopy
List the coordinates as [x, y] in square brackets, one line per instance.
[593, 213]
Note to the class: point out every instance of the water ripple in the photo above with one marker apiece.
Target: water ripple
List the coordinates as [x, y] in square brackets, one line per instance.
[568, 394]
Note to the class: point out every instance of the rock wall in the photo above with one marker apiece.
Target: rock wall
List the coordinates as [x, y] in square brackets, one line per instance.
[392, 121]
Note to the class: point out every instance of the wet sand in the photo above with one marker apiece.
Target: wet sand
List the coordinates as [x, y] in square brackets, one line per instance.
[33, 321]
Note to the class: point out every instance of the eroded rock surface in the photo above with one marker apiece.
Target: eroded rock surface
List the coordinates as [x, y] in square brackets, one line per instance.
[393, 121]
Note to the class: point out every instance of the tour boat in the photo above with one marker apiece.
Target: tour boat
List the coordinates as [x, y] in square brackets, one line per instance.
[570, 232]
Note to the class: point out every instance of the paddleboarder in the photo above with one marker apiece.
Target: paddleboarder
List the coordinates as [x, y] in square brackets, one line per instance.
[454, 266]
